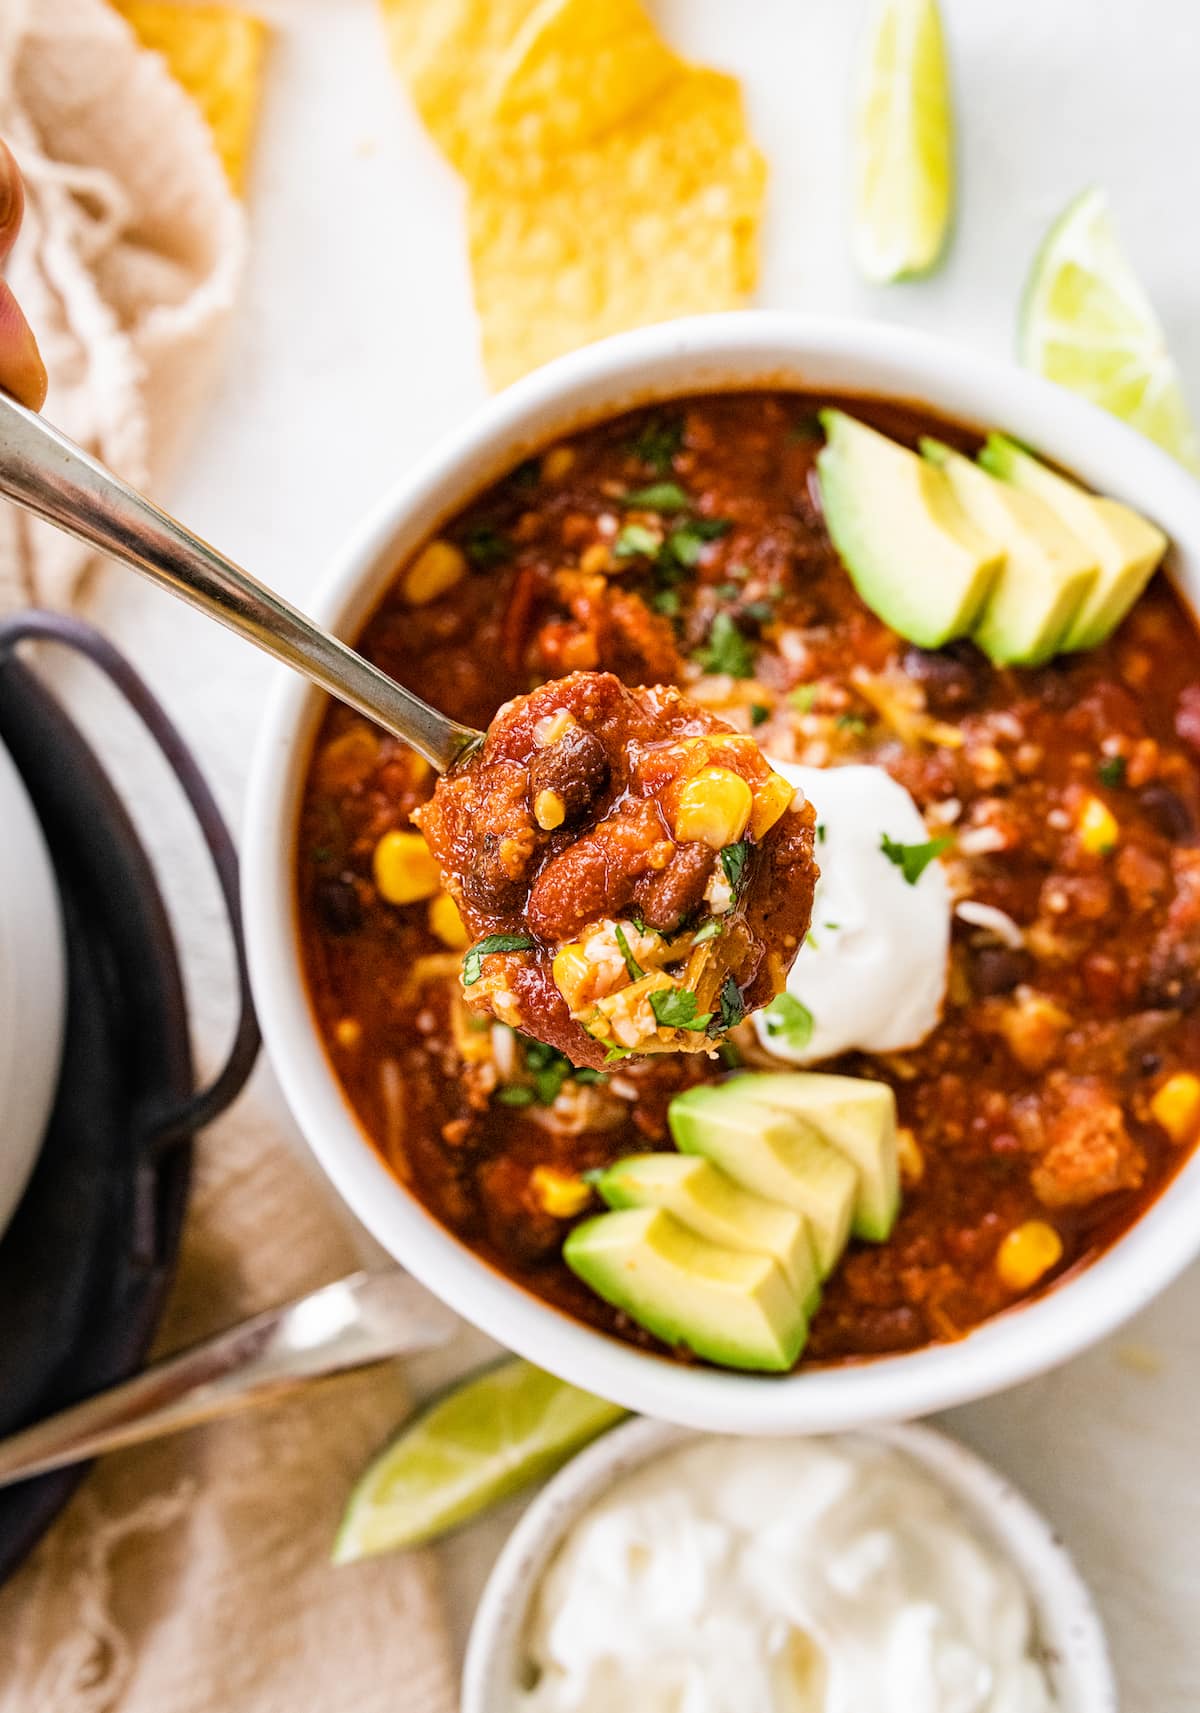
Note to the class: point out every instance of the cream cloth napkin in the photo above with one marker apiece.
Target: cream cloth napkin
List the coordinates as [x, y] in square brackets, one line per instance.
[130, 256]
[192, 1575]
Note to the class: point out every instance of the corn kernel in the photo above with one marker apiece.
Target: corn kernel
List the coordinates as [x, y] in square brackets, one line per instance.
[713, 808]
[447, 924]
[557, 463]
[347, 1032]
[405, 871]
[436, 568]
[560, 1194]
[1176, 1106]
[597, 557]
[553, 726]
[549, 810]
[571, 969]
[771, 800]
[1098, 829]
[912, 1161]
[1028, 1252]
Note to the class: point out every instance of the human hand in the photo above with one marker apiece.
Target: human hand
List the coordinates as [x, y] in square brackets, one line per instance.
[22, 372]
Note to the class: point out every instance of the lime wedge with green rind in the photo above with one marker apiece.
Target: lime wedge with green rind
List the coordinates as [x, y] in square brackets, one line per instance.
[477, 1444]
[903, 142]
[1087, 323]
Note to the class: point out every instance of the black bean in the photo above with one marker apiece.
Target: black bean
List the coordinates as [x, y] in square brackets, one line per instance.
[1168, 813]
[575, 768]
[951, 677]
[338, 905]
[998, 969]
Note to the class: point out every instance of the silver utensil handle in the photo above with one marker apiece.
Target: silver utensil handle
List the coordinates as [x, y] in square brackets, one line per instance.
[359, 1320]
[47, 474]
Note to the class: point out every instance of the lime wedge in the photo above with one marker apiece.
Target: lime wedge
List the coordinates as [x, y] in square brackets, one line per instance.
[903, 142]
[1087, 323]
[475, 1445]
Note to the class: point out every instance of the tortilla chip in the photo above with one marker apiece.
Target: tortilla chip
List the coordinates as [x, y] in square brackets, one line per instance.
[217, 55]
[655, 218]
[574, 72]
[447, 52]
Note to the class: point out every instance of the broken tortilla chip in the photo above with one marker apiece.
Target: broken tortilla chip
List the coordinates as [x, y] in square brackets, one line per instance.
[217, 55]
[447, 52]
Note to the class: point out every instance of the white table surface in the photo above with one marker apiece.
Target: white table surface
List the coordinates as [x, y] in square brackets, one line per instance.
[356, 347]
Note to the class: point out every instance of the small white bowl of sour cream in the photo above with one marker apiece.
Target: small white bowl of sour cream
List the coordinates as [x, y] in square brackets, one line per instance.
[888, 1568]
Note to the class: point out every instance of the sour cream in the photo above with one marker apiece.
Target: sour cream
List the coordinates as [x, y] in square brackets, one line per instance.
[781, 1576]
[872, 972]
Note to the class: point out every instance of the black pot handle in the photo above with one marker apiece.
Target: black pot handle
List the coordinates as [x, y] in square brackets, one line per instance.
[179, 1122]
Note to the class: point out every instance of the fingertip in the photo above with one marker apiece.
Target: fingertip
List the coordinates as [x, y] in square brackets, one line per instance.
[22, 371]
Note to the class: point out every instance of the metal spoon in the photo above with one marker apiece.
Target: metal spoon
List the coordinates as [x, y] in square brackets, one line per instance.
[47, 474]
[362, 1319]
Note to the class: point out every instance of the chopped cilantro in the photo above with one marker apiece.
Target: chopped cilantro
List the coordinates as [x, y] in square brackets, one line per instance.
[759, 713]
[758, 612]
[515, 1094]
[851, 723]
[732, 1008]
[658, 497]
[913, 860]
[486, 546]
[803, 697]
[727, 591]
[789, 1022]
[1111, 771]
[687, 541]
[638, 920]
[831, 927]
[727, 650]
[708, 930]
[548, 1083]
[636, 972]
[733, 860]
[633, 540]
[811, 941]
[820, 832]
[585, 1074]
[473, 958]
[658, 440]
[666, 601]
[615, 1053]
[675, 1008]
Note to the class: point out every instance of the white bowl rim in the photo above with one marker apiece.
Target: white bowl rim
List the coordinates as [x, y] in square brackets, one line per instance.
[1068, 1624]
[703, 353]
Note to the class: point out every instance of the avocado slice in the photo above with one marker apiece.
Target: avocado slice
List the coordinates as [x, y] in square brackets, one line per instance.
[726, 1305]
[911, 551]
[714, 1207]
[775, 1154]
[1127, 547]
[857, 1116]
[1048, 572]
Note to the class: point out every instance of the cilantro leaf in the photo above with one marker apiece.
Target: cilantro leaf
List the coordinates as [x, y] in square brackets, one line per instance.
[658, 440]
[636, 972]
[666, 601]
[548, 1083]
[726, 650]
[820, 832]
[658, 497]
[759, 713]
[789, 1022]
[1111, 770]
[635, 539]
[708, 930]
[515, 1094]
[913, 860]
[675, 1008]
[732, 1008]
[586, 1074]
[687, 541]
[472, 967]
[615, 1053]
[733, 860]
[486, 546]
[803, 697]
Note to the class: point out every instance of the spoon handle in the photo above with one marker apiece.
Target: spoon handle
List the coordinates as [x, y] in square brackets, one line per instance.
[47, 474]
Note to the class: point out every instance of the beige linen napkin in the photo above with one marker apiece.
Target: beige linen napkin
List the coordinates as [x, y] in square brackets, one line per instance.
[129, 260]
[190, 1576]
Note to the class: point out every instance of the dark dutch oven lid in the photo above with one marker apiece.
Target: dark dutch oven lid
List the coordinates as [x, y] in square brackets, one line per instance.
[89, 1255]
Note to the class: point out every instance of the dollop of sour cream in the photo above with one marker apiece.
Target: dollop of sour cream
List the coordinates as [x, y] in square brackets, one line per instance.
[872, 973]
[781, 1576]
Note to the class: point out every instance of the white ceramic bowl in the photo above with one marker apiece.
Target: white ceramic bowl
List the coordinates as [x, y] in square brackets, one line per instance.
[1069, 1631]
[32, 983]
[719, 352]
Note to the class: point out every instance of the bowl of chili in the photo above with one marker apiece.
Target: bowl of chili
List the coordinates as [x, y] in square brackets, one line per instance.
[1012, 1108]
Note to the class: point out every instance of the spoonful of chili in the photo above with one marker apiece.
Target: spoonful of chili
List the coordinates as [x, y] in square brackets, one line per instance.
[636, 876]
